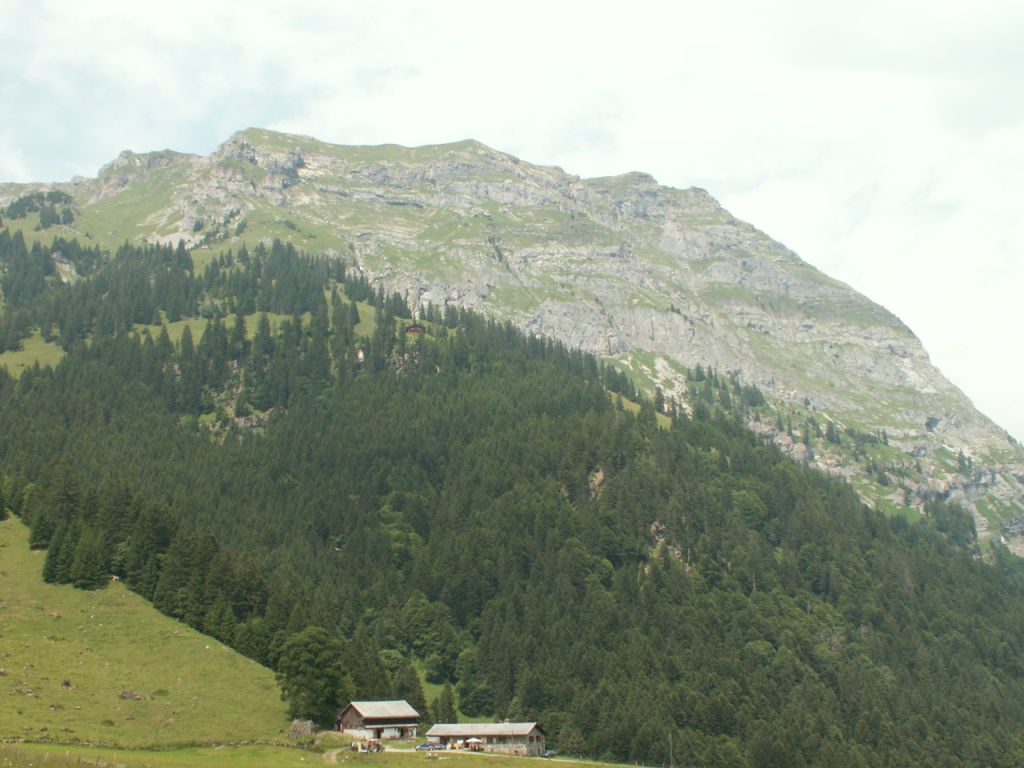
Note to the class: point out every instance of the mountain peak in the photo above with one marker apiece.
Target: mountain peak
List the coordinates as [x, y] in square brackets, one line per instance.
[657, 279]
[129, 160]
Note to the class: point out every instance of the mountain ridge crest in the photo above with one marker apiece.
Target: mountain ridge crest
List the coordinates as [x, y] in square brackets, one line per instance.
[657, 279]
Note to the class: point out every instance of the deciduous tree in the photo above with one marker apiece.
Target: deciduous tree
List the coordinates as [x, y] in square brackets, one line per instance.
[312, 677]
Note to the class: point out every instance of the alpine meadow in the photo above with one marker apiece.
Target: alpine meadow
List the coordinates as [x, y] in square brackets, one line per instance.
[306, 418]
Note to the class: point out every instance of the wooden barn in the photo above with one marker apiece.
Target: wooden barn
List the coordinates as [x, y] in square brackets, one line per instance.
[379, 720]
[525, 739]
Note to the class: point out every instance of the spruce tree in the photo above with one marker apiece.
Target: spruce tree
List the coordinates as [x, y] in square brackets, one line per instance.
[442, 708]
[409, 687]
[89, 570]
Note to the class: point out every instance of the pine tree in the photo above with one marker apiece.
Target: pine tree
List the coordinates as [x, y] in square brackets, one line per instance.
[220, 621]
[239, 340]
[252, 639]
[89, 570]
[409, 687]
[51, 569]
[442, 708]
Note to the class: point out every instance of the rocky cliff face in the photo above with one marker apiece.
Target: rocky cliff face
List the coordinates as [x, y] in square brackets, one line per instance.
[657, 279]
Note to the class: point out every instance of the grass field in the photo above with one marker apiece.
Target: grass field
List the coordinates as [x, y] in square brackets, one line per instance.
[663, 421]
[106, 668]
[102, 678]
[59, 756]
[35, 349]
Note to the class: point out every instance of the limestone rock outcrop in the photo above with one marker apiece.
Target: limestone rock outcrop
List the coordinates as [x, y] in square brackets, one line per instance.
[658, 279]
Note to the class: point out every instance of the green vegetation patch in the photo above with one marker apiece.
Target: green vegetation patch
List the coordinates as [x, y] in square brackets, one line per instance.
[60, 756]
[34, 350]
[515, 298]
[128, 215]
[105, 667]
[256, 756]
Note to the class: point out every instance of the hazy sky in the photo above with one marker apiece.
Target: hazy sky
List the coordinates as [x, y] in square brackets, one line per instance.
[882, 141]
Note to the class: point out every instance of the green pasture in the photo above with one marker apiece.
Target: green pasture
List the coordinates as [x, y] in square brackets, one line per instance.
[253, 756]
[34, 349]
[105, 667]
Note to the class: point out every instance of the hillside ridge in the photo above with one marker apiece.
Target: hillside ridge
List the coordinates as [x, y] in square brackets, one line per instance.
[659, 280]
[262, 443]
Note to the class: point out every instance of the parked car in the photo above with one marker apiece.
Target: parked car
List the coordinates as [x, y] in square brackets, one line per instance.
[428, 746]
[549, 753]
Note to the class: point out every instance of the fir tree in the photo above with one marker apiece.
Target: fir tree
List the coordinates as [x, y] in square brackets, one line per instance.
[89, 569]
[442, 708]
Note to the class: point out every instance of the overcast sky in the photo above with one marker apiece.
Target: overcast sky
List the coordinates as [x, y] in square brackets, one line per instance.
[882, 141]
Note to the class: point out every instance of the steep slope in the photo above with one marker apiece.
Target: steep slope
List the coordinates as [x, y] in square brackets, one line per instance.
[660, 280]
[469, 499]
[105, 667]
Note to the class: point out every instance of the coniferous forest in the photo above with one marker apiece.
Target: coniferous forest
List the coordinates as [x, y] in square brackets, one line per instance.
[446, 494]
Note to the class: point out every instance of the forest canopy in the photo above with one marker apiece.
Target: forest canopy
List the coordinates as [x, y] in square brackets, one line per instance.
[262, 448]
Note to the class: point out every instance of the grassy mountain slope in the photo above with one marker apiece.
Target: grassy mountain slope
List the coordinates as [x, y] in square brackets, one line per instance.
[470, 500]
[105, 667]
[658, 280]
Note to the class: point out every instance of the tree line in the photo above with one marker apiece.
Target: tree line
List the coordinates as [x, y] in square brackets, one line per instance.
[470, 502]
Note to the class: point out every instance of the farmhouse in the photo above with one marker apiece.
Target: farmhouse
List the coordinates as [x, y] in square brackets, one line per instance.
[510, 738]
[379, 720]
